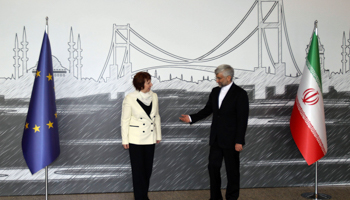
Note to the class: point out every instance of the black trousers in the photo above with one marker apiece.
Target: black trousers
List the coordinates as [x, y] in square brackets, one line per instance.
[141, 159]
[231, 158]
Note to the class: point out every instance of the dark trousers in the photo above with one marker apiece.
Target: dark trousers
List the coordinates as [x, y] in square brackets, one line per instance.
[141, 159]
[231, 158]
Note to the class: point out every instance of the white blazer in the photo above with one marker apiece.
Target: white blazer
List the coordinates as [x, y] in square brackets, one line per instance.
[136, 126]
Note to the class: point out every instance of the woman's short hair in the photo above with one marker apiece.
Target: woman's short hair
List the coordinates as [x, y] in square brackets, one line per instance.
[139, 80]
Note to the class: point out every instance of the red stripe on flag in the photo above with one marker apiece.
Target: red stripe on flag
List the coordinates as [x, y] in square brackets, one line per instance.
[304, 138]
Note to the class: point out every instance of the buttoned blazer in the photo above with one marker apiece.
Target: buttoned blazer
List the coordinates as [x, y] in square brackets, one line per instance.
[229, 122]
[136, 126]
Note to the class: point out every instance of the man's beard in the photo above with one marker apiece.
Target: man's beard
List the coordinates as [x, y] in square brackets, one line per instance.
[222, 84]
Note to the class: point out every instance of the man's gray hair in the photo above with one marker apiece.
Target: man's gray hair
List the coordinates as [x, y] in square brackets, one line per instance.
[226, 70]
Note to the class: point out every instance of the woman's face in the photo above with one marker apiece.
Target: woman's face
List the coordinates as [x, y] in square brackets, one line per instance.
[147, 86]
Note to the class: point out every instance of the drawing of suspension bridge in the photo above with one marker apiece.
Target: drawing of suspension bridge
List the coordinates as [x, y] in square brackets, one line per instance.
[120, 40]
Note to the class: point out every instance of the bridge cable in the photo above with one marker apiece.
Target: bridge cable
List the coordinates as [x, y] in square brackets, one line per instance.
[287, 39]
[265, 38]
[232, 32]
[243, 41]
[194, 61]
[268, 48]
[107, 60]
[191, 61]
[206, 54]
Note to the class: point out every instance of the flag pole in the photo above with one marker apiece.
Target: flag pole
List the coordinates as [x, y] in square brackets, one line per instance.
[316, 195]
[316, 185]
[46, 182]
[46, 168]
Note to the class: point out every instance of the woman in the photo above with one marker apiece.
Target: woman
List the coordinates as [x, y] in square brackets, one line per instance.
[140, 129]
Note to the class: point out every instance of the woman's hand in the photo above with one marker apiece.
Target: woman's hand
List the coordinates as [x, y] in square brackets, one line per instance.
[158, 141]
[126, 146]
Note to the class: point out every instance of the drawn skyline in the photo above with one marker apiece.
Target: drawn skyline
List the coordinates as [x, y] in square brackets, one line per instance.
[195, 74]
[117, 72]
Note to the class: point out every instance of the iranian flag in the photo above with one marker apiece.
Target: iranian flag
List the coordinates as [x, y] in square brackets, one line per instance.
[307, 122]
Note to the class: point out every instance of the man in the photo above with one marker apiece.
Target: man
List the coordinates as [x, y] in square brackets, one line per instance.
[229, 105]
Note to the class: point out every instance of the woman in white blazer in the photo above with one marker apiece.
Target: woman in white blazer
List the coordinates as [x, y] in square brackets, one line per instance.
[140, 129]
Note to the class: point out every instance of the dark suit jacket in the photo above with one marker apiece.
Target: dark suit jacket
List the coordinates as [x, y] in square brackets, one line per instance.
[229, 123]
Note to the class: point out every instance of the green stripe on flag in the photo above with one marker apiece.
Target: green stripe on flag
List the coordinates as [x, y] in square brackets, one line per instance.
[313, 59]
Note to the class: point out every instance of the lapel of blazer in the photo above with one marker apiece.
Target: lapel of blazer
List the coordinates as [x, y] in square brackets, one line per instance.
[216, 98]
[228, 95]
[153, 111]
[144, 114]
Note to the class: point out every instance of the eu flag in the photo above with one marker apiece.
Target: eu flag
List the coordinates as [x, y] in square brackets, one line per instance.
[40, 142]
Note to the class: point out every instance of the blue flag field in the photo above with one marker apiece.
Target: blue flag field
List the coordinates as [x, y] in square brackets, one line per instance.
[40, 142]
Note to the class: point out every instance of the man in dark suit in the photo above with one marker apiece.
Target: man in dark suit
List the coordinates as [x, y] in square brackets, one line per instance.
[229, 105]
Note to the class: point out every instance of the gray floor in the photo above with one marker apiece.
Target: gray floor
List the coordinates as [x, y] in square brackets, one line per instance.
[289, 193]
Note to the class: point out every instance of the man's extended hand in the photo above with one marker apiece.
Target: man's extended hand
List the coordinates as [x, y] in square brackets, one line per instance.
[185, 118]
[238, 147]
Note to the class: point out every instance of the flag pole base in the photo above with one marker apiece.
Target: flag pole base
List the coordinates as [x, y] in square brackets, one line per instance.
[312, 195]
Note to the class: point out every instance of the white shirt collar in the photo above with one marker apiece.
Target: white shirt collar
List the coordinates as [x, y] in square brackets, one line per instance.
[226, 87]
[223, 93]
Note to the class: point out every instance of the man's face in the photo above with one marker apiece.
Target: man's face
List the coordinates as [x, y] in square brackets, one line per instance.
[221, 80]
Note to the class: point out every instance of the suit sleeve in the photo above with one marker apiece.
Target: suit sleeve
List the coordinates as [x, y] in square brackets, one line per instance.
[205, 112]
[125, 121]
[242, 117]
[158, 121]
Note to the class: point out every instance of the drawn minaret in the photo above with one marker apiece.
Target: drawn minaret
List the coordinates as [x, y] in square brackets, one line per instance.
[79, 58]
[16, 57]
[321, 52]
[71, 50]
[343, 46]
[348, 53]
[24, 50]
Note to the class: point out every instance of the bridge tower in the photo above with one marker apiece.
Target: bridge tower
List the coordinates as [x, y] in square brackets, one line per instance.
[125, 66]
[262, 25]
[119, 41]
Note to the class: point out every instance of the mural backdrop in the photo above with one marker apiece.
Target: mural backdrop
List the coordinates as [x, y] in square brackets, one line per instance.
[99, 45]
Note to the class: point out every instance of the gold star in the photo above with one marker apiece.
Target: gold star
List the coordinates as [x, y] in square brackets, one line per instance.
[49, 77]
[50, 124]
[36, 128]
[38, 73]
[56, 114]
[27, 124]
